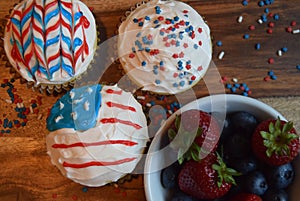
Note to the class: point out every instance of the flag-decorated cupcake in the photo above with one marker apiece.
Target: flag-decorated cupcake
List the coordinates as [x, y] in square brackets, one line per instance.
[164, 46]
[97, 134]
[50, 42]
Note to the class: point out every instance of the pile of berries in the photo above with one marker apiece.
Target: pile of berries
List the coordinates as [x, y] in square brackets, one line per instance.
[249, 161]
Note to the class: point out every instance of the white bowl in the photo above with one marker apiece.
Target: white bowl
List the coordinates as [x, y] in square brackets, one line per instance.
[159, 158]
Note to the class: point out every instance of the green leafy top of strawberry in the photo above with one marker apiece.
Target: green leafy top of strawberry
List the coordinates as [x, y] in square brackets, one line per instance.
[183, 141]
[225, 174]
[278, 138]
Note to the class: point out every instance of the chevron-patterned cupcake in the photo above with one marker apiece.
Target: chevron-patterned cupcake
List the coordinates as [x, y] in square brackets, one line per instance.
[50, 42]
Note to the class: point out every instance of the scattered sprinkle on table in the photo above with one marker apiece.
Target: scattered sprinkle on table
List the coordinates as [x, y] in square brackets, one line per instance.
[221, 55]
[20, 107]
[245, 3]
[219, 43]
[257, 46]
[240, 19]
[246, 36]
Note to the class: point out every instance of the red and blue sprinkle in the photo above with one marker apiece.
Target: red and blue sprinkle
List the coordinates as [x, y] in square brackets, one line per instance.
[21, 110]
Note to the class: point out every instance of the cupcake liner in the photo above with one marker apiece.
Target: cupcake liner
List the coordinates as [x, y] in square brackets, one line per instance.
[49, 89]
[130, 10]
[126, 178]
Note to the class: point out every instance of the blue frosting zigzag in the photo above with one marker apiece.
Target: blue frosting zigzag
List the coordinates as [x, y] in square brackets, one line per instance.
[77, 109]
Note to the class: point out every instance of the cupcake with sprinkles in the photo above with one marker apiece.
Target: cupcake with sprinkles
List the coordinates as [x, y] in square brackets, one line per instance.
[164, 46]
[98, 134]
[50, 43]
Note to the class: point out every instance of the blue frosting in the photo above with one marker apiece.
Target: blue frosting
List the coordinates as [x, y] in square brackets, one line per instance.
[77, 109]
[50, 15]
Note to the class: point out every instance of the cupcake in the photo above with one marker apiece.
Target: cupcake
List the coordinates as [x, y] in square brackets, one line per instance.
[164, 46]
[97, 134]
[50, 43]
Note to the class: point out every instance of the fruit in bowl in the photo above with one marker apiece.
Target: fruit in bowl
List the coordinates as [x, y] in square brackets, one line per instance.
[254, 158]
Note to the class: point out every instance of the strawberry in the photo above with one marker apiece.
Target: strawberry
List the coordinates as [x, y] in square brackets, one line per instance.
[275, 142]
[208, 178]
[245, 197]
[194, 134]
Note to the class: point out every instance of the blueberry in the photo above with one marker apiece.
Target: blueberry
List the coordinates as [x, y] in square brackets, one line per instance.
[244, 122]
[280, 176]
[225, 124]
[245, 165]
[276, 195]
[180, 196]
[169, 176]
[237, 146]
[256, 183]
[227, 129]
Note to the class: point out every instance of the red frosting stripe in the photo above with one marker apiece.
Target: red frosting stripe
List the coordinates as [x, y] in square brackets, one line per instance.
[85, 144]
[98, 163]
[115, 120]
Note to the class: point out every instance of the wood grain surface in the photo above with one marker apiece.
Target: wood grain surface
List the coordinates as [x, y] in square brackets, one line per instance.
[26, 172]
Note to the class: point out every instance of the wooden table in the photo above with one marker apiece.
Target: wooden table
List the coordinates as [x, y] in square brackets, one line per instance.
[26, 172]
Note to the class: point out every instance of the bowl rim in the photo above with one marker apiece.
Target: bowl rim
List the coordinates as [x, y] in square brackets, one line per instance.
[200, 103]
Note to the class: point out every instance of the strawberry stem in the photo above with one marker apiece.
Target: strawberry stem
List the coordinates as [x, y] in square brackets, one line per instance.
[278, 138]
[225, 174]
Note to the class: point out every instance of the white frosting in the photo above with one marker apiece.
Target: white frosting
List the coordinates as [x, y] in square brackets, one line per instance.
[191, 46]
[29, 39]
[102, 132]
